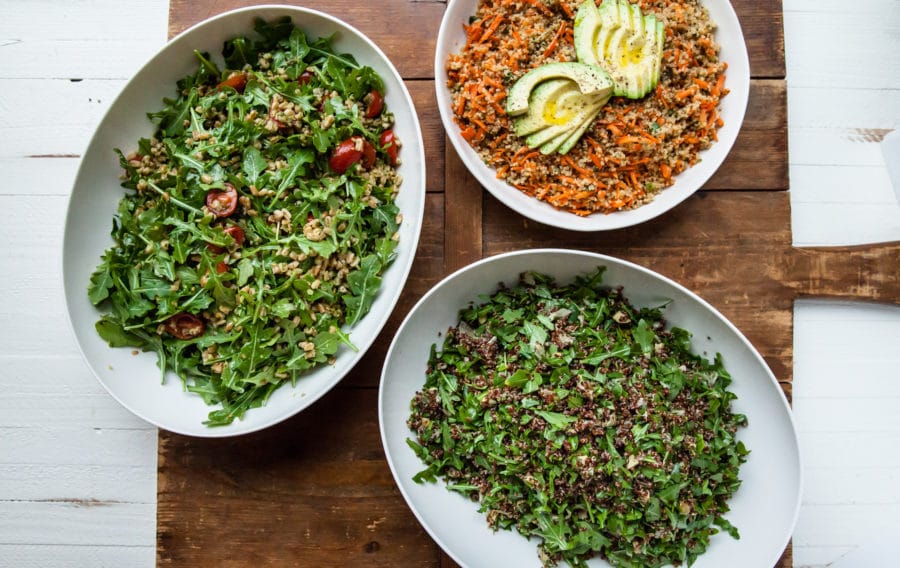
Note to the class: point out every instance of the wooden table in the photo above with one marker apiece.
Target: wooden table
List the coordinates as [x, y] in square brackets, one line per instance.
[316, 491]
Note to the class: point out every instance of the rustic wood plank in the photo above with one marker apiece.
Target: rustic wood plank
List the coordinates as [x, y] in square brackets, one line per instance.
[759, 158]
[463, 214]
[406, 31]
[308, 492]
[433, 137]
[763, 25]
[870, 272]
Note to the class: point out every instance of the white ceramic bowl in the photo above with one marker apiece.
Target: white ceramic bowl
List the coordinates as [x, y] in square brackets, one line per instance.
[765, 507]
[134, 380]
[451, 39]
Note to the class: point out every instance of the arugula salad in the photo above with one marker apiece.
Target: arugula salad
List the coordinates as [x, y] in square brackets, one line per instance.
[574, 417]
[260, 219]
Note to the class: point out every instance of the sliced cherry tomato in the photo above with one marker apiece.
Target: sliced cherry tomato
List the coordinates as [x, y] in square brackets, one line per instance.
[305, 77]
[222, 267]
[236, 81]
[349, 152]
[236, 233]
[368, 154]
[344, 156]
[374, 103]
[185, 326]
[222, 203]
[388, 143]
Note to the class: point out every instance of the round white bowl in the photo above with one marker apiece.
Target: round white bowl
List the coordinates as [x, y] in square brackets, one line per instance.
[451, 39]
[133, 380]
[765, 507]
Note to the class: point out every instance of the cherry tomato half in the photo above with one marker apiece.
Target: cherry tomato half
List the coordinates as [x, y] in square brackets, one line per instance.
[222, 203]
[236, 233]
[222, 267]
[236, 81]
[388, 143]
[349, 152]
[374, 103]
[185, 326]
[305, 77]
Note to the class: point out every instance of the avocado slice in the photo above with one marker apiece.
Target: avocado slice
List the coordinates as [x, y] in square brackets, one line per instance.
[590, 79]
[627, 44]
[564, 142]
[536, 117]
[587, 113]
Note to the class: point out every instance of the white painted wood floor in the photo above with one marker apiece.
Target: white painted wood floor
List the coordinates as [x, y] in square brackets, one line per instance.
[78, 473]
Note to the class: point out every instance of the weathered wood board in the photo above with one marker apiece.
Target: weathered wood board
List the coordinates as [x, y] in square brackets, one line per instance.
[316, 490]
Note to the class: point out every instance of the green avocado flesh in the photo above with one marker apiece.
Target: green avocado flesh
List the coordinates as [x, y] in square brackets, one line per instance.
[590, 79]
[561, 101]
[627, 44]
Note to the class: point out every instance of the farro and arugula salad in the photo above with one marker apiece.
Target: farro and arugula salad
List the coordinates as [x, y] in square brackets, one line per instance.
[260, 218]
[574, 417]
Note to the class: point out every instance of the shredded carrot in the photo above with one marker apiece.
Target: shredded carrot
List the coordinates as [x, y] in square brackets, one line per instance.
[555, 41]
[490, 31]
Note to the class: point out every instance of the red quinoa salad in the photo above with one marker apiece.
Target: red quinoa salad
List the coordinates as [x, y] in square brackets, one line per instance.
[634, 148]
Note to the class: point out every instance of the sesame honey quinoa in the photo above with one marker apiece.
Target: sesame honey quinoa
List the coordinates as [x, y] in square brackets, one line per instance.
[634, 148]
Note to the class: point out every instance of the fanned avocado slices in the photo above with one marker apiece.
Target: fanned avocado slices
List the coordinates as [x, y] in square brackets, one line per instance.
[624, 42]
[561, 99]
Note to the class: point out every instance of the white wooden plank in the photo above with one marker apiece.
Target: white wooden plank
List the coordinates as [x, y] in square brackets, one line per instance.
[842, 449]
[76, 556]
[831, 147]
[61, 392]
[79, 445]
[851, 484]
[855, 415]
[101, 482]
[99, 39]
[845, 341]
[837, 8]
[858, 111]
[841, 49]
[59, 121]
[828, 185]
[811, 314]
[857, 223]
[73, 523]
[844, 525]
[38, 176]
[818, 556]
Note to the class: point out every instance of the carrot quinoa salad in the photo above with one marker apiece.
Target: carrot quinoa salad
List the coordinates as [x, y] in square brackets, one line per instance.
[633, 147]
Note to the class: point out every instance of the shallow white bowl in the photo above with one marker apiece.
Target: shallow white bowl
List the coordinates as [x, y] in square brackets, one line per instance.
[451, 39]
[765, 507]
[134, 379]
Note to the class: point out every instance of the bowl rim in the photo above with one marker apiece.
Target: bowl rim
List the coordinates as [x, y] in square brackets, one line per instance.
[541, 211]
[416, 216]
[600, 258]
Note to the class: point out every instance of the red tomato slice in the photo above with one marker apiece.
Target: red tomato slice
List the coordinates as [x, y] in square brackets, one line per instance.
[344, 156]
[236, 233]
[388, 143]
[305, 77]
[236, 81]
[374, 103]
[222, 267]
[185, 326]
[222, 203]
[368, 154]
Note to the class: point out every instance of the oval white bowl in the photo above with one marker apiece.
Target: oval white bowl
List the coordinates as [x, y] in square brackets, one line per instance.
[133, 380]
[451, 39]
[765, 507]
